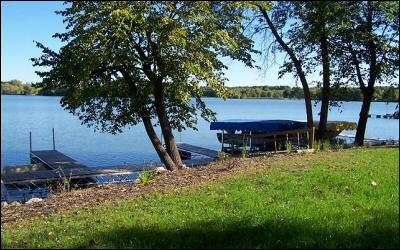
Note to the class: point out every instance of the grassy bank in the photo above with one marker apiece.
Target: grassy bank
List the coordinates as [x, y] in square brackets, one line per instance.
[340, 199]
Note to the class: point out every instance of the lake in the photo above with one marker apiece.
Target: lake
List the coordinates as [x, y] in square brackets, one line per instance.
[38, 115]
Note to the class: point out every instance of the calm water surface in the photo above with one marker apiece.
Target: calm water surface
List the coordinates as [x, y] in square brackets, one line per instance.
[38, 115]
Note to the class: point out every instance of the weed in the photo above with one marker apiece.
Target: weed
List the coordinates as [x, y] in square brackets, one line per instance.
[289, 147]
[146, 176]
[317, 146]
[62, 185]
[326, 145]
[222, 155]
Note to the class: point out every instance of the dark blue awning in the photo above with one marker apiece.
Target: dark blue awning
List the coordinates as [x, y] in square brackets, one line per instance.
[262, 126]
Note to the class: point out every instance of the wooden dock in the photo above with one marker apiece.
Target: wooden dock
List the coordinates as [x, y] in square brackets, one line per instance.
[53, 159]
[387, 116]
[48, 166]
[59, 166]
[198, 150]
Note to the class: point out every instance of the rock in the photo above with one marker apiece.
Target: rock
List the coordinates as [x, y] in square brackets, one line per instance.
[160, 170]
[15, 203]
[33, 200]
[4, 204]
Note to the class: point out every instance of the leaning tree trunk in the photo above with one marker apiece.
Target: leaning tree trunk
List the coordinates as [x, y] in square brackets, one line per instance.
[166, 129]
[157, 144]
[299, 69]
[362, 121]
[161, 110]
[367, 91]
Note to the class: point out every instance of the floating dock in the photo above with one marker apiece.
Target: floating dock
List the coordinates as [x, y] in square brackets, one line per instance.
[49, 166]
[54, 159]
[187, 150]
[60, 166]
[387, 116]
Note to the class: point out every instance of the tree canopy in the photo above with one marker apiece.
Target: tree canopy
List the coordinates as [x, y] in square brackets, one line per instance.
[347, 43]
[127, 62]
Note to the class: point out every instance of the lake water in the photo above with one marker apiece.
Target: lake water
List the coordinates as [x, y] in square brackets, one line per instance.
[38, 115]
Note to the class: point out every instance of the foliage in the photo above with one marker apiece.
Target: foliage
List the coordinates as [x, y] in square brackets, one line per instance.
[317, 145]
[335, 199]
[289, 147]
[116, 50]
[126, 62]
[326, 144]
[146, 176]
[369, 51]
[16, 87]
[382, 93]
[223, 155]
[348, 43]
[63, 184]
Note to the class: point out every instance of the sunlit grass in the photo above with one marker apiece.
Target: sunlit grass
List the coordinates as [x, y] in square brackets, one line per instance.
[335, 199]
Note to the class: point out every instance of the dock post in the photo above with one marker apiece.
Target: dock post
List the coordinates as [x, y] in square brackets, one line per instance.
[54, 144]
[222, 142]
[30, 147]
[30, 141]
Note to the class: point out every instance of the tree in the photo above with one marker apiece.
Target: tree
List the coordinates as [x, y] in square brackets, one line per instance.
[369, 51]
[15, 87]
[127, 62]
[282, 12]
[354, 41]
[320, 21]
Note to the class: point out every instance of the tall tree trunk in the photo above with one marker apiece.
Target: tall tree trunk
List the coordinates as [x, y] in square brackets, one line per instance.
[362, 121]
[169, 138]
[367, 91]
[161, 110]
[299, 69]
[157, 144]
[161, 152]
[323, 119]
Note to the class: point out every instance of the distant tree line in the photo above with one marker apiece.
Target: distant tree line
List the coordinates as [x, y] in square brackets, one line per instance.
[16, 87]
[382, 93]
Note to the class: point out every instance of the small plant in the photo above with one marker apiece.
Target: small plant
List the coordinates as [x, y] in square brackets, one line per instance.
[244, 151]
[63, 184]
[146, 176]
[222, 155]
[289, 147]
[326, 145]
[317, 146]
[338, 145]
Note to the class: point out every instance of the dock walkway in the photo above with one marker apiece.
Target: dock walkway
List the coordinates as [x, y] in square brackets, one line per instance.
[387, 116]
[54, 159]
[198, 150]
[60, 166]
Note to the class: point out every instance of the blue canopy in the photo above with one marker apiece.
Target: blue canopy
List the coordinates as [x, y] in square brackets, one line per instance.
[261, 126]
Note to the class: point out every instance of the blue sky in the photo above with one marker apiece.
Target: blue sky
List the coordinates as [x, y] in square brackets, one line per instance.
[23, 22]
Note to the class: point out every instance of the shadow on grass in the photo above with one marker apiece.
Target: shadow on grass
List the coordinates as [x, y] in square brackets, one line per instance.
[239, 234]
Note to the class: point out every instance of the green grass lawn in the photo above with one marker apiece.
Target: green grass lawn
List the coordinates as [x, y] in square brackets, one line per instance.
[331, 199]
